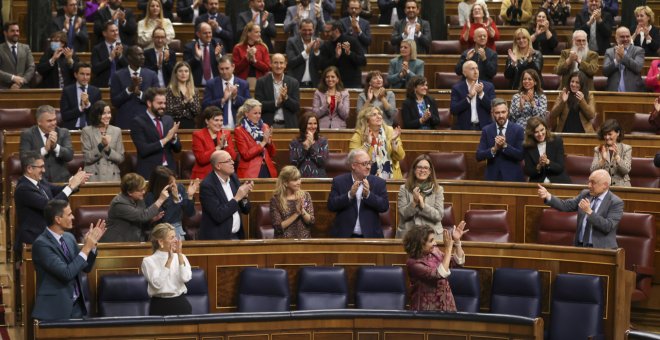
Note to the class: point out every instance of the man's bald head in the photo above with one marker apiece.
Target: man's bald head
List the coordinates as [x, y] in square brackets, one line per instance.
[219, 156]
[599, 182]
[471, 70]
[480, 37]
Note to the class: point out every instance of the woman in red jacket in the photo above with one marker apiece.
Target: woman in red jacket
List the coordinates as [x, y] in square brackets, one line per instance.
[254, 142]
[209, 139]
[251, 54]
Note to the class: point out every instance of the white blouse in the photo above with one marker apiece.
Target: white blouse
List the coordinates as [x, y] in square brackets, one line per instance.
[166, 282]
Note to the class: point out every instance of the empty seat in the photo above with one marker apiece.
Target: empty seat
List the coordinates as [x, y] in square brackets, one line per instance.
[487, 226]
[265, 228]
[89, 298]
[465, 287]
[336, 165]
[78, 162]
[386, 224]
[636, 234]
[577, 307]
[449, 165]
[600, 83]
[445, 80]
[556, 227]
[84, 216]
[322, 288]
[550, 81]
[452, 47]
[263, 290]
[578, 168]
[16, 119]
[186, 163]
[643, 173]
[500, 82]
[641, 126]
[502, 47]
[380, 288]
[448, 217]
[123, 295]
[198, 292]
[516, 292]
[445, 119]
[191, 223]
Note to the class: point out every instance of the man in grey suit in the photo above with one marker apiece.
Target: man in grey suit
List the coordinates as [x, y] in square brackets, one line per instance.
[279, 94]
[623, 64]
[303, 52]
[54, 144]
[412, 27]
[303, 10]
[16, 61]
[356, 26]
[598, 211]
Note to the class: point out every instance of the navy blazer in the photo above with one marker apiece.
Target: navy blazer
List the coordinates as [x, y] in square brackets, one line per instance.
[347, 210]
[226, 34]
[70, 106]
[505, 164]
[151, 62]
[101, 65]
[127, 31]
[130, 105]
[296, 65]
[350, 66]
[50, 75]
[487, 68]
[265, 93]
[196, 65]
[386, 7]
[57, 276]
[554, 149]
[215, 90]
[365, 37]
[30, 203]
[147, 143]
[461, 109]
[217, 210]
[80, 39]
[410, 114]
[185, 12]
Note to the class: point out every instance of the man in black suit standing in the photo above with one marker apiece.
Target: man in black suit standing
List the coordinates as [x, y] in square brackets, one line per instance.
[203, 55]
[279, 94]
[159, 59]
[189, 10]
[412, 27]
[356, 26]
[344, 52]
[123, 18]
[107, 56]
[303, 53]
[77, 98]
[154, 134]
[259, 16]
[73, 26]
[223, 197]
[391, 11]
[166, 5]
[220, 23]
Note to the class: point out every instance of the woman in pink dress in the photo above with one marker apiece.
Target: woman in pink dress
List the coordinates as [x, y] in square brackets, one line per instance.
[428, 266]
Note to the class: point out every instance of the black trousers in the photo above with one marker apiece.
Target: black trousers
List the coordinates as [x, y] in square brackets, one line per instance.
[170, 306]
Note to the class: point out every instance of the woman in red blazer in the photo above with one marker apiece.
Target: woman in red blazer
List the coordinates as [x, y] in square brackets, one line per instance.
[209, 139]
[255, 146]
[251, 54]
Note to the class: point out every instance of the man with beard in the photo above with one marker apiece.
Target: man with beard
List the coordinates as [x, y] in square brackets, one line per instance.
[412, 27]
[623, 64]
[344, 52]
[485, 57]
[155, 135]
[303, 52]
[123, 18]
[501, 145]
[577, 58]
[16, 61]
[597, 23]
[279, 94]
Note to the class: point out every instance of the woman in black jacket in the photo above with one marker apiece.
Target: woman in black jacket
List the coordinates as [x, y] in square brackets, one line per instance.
[543, 154]
[419, 111]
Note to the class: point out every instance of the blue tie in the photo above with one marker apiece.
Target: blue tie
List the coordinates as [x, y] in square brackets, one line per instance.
[622, 69]
[113, 65]
[71, 32]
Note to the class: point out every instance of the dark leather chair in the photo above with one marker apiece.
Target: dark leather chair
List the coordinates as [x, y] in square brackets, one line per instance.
[643, 173]
[502, 47]
[445, 80]
[641, 125]
[198, 292]
[175, 45]
[89, 298]
[465, 287]
[556, 227]
[186, 163]
[83, 216]
[265, 228]
[448, 220]
[636, 234]
[600, 83]
[78, 162]
[550, 81]
[578, 168]
[451, 47]
[263, 290]
[336, 164]
[453, 20]
[12, 170]
[322, 288]
[577, 307]
[16, 119]
[557, 51]
[123, 295]
[516, 292]
[387, 225]
[487, 226]
[129, 164]
[191, 224]
[445, 119]
[449, 165]
[500, 82]
[380, 288]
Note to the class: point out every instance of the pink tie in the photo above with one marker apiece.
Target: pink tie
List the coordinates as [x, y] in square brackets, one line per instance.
[206, 64]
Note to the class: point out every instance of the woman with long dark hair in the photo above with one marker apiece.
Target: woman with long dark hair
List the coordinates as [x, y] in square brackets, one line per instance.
[543, 153]
[419, 111]
[309, 151]
[574, 108]
[529, 101]
[181, 201]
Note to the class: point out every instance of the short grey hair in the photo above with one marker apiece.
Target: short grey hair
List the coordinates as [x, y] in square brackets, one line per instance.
[575, 34]
[497, 102]
[44, 109]
[351, 155]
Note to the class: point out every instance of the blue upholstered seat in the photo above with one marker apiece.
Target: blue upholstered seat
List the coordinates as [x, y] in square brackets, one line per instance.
[516, 292]
[123, 295]
[263, 290]
[380, 288]
[577, 307]
[464, 285]
[322, 288]
[198, 292]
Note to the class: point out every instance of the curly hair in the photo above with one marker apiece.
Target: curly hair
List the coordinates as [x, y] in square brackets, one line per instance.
[413, 241]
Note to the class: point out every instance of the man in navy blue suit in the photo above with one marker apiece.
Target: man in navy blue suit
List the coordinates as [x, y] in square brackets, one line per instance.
[154, 134]
[128, 86]
[358, 198]
[470, 100]
[107, 56]
[226, 92]
[159, 58]
[220, 23]
[203, 54]
[356, 26]
[77, 98]
[501, 145]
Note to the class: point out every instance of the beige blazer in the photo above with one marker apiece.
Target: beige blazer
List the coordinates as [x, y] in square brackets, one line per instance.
[559, 114]
[618, 170]
[431, 215]
[102, 166]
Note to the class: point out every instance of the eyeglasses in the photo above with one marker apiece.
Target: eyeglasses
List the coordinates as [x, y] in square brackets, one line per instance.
[38, 166]
[424, 168]
[227, 161]
[367, 163]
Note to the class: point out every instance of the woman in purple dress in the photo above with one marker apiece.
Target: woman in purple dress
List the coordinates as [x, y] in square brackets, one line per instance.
[428, 266]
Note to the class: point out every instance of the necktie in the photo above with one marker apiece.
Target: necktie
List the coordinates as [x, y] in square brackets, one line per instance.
[622, 83]
[159, 59]
[136, 74]
[41, 189]
[586, 230]
[500, 130]
[159, 129]
[228, 104]
[67, 253]
[206, 63]
[83, 119]
[71, 34]
[13, 52]
[113, 65]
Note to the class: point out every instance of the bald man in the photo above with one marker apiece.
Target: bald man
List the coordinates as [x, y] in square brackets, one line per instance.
[623, 64]
[485, 57]
[279, 94]
[598, 211]
[470, 100]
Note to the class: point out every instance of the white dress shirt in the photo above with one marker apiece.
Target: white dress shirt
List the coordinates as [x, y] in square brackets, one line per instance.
[166, 282]
[235, 218]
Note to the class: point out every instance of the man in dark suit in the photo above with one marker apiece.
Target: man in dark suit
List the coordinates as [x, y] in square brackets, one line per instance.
[107, 56]
[52, 142]
[279, 8]
[226, 91]
[470, 100]
[33, 192]
[485, 58]
[220, 23]
[73, 26]
[154, 134]
[358, 198]
[59, 265]
[223, 197]
[166, 5]
[159, 59]
[203, 54]
[412, 27]
[501, 145]
[189, 10]
[123, 18]
[303, 52]
[387, 8]
[623, 64]
[279, 94]
[77, 98]
[598, 211]
[356, 26]
[303, 10]
[597, 23]
[344, 52]
[128, 86]
[16, 61]
[264, 19]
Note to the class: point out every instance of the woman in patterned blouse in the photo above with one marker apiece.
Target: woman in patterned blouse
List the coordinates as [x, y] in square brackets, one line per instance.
[182, 96]
[291, 208]
[529, 101]
[309, 151]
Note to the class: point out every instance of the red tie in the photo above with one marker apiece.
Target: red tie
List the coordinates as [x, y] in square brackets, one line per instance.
[206, 63]
[159, 128]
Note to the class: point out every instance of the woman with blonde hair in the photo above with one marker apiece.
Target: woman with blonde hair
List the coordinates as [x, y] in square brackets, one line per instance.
[291, 209]
[380, 141]
[254, 143]
[522, 57]
[405, 66]
[152, 19]
[250, 55]
[182, 97]
[646, 35]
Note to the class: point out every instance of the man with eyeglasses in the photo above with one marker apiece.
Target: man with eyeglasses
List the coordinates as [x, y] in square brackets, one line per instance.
[577, 58]
[358, 198]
